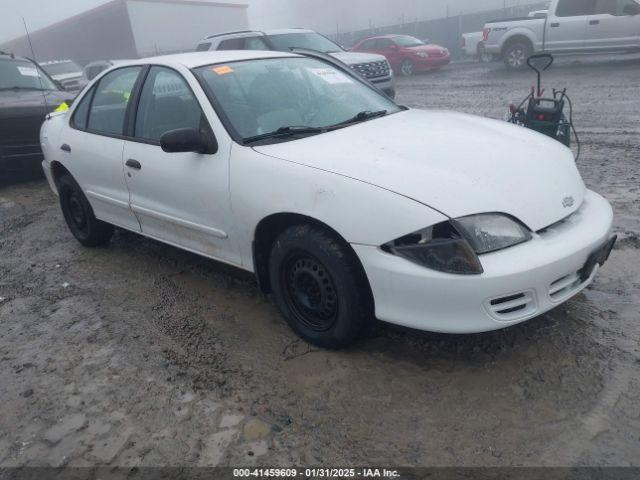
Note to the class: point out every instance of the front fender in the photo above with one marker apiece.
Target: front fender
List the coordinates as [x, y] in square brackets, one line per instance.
[361, 213]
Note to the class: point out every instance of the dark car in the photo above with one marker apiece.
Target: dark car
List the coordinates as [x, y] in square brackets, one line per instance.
[27, 95]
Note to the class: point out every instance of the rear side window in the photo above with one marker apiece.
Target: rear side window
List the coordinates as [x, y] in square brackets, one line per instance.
[81, 113]
[255, 43]
[203, 47]
[369, 45]
[576, 8]
[110, 101]
[232, 44]
[166, 103]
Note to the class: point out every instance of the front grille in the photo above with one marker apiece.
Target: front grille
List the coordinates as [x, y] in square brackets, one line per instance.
[373, 69]
[512, 307]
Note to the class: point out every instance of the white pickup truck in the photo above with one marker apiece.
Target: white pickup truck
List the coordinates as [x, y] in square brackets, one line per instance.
[570, 27]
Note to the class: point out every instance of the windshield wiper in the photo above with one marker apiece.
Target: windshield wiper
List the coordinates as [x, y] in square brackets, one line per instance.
[361, 117]
[285, 132]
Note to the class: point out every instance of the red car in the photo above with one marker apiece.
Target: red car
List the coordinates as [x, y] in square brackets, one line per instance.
[406, 54]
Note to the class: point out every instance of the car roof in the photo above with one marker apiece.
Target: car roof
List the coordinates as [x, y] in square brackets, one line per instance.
[201, 59]
[389, 36]
[246, 33]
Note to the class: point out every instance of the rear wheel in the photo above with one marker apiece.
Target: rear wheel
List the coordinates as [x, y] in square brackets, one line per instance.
[319, 288]
[516, 55]
[406, 68]
[78, 214]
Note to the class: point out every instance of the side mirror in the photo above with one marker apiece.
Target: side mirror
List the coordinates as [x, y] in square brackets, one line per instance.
[188, 140]
[631, 9]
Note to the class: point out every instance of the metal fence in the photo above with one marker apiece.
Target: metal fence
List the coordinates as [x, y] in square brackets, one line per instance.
[443, 31]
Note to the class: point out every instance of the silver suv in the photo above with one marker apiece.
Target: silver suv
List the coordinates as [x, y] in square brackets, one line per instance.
[374, 68]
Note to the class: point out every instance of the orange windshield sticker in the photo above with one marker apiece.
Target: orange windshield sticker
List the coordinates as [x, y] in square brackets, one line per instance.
[223, 70]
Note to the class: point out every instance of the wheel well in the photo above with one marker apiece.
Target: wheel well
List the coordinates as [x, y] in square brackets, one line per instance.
[516, 39]
[271, 227]
[58, 170]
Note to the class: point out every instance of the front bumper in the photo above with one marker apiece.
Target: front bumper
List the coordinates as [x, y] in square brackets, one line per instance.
[423, 64]
[387, 85]
[518, 283]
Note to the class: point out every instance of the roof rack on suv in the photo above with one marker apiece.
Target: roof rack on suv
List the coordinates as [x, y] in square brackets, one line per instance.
[233, 33]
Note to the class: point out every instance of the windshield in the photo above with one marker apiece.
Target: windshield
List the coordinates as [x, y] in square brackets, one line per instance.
[406, 41]
[23, 75]
[61, 68]
[262, 96]
[312, 41]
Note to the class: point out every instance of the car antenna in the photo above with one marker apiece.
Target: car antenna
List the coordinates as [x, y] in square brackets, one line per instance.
[33, 54]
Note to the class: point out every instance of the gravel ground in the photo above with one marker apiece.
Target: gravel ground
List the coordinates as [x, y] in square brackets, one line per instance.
[139, 354]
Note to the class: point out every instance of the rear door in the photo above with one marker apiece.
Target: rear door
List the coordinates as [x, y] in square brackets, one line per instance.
[390, 50]
[92, 146]
[614, 26]
[566, 29]
[179, 198]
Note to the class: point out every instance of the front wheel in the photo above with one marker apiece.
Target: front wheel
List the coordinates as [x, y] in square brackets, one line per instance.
[319, 287]
[78, 214]
[406, 68]
[516, 55]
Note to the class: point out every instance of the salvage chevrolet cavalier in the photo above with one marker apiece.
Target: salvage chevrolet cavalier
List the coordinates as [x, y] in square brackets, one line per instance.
[345, 205]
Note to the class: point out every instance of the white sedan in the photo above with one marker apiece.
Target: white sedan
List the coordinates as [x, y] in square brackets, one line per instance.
[345, 205]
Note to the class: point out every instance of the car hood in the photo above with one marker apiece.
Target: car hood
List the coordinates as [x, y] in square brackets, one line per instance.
[455, 163]
[356, 58]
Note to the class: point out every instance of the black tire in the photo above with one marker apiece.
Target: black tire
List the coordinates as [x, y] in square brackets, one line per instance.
[319, 287]
[407, 68]
[78, 214]
[515, 55]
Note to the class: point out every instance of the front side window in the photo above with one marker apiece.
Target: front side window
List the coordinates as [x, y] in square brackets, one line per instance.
[408, 42]
[261, 96]
[166, 103]
[255, 43]
[110, 101]
[617, 8]
[23, 75]
[576, 8]
[313, 41]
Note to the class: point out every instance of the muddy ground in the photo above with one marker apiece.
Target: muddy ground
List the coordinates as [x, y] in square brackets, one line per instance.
[140, 354]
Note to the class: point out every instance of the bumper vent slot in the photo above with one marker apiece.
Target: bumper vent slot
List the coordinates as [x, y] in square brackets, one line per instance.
[564, 287]
[512, 307]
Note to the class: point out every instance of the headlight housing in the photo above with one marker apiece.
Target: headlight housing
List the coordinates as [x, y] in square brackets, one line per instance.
[490, 232]
[454, 246]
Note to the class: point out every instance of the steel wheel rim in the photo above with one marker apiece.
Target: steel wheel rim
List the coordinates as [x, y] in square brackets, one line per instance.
[77, 212]
[309, 292]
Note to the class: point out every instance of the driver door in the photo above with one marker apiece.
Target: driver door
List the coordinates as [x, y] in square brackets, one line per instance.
[179, 198]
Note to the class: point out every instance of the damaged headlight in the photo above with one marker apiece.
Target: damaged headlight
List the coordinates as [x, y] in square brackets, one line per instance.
[454, 246]
[490, 232]
[440, 247]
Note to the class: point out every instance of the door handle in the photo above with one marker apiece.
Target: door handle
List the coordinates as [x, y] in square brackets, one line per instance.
[555, 25]
[65, 148]
[594, 22]
[131, 163]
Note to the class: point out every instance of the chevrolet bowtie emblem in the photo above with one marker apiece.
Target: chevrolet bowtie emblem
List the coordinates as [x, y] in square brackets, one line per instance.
[568, 202]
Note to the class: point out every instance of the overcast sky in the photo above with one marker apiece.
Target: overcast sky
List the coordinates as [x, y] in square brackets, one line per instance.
[325, 15]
